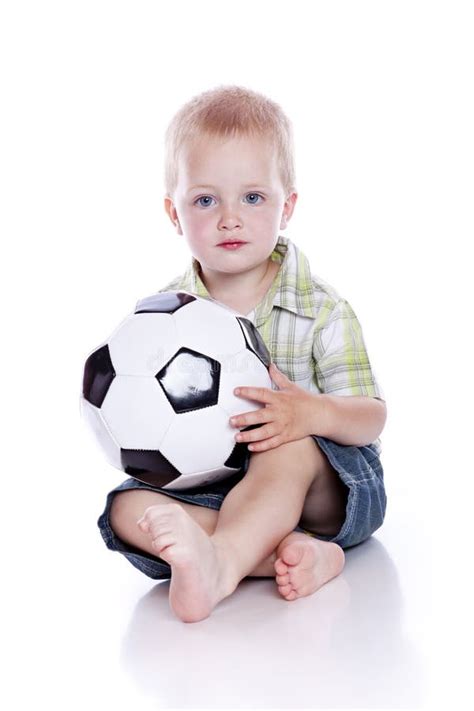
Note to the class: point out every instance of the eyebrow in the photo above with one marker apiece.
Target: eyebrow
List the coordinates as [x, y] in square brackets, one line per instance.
[213, 187]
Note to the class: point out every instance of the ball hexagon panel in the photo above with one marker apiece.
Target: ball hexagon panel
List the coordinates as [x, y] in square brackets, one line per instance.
[137, 412]
[102, 435]
[184, 445]
[242, 369]
[190, 381]
[143, 344]
[192, 332]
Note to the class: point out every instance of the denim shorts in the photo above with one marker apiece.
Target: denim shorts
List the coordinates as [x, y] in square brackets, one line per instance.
[359, 468]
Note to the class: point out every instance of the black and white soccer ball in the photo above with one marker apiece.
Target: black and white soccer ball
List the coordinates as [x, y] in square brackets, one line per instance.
[159, 392]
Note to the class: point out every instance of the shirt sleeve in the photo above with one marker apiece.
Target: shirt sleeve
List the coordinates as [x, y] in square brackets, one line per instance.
[342, 365]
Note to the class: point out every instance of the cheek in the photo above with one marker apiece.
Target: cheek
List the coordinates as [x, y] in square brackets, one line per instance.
[196, 222]
[267, 221]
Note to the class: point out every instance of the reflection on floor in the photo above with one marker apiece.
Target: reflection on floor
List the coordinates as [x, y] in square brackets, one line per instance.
[342, 647]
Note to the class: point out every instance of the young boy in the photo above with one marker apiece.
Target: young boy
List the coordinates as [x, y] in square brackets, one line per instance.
[315, 457]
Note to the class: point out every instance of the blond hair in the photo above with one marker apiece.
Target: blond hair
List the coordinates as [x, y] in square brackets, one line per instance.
[229, 111]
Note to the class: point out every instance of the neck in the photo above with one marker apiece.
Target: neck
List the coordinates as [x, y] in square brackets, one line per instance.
[246, 288]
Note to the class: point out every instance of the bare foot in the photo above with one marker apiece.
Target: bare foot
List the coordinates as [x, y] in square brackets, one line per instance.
[305, 564]
[200, 578]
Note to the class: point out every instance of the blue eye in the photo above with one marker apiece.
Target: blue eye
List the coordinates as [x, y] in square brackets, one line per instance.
[208, 197]
[256, 195]
[204, 197]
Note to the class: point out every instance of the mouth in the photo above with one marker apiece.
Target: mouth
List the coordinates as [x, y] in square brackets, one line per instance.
[231, 243]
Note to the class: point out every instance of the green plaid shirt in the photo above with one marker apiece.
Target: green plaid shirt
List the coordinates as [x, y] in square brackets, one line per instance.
[312, 334]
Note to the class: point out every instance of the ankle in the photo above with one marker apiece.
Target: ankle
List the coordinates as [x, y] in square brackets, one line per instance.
[265, 569]
[227, 557]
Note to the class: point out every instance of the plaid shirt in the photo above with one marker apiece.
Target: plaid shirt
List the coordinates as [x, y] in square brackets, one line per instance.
[313, 335]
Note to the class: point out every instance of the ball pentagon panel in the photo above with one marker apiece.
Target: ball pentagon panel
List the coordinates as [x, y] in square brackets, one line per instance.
[190, 381]
[164, 302]
[149, 466]
[99, 373]
[254, 340]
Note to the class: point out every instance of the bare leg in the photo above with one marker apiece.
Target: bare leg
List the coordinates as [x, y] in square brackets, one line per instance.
[323, 513]
[300, 564]
[263, 509]
[255, 516]
[129, 506]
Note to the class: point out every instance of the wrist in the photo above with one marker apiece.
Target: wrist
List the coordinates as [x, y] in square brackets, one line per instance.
[320, 415]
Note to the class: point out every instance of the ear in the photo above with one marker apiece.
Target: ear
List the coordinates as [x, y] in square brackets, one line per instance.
[288, 209]
[172, 213]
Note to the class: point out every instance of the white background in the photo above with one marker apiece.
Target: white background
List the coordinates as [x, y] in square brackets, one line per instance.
[381, 99]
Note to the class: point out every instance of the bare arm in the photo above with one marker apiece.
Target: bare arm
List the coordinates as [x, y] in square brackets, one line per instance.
[291, 413]
[351, 420]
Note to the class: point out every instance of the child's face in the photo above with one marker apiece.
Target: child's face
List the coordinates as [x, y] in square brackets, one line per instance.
[230, 189]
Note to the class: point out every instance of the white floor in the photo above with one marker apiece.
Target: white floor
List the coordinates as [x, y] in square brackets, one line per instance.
[355, 643]
[83, 627]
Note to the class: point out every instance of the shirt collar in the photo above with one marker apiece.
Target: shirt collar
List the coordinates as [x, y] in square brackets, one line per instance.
[292, 288]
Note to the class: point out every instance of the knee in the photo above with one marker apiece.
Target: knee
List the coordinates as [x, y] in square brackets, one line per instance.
[301, 457]
[291, 449]
[122, 511]
[116, 512]
[302, 453]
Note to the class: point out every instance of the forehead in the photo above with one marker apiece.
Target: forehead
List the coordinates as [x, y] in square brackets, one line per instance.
[208, 160]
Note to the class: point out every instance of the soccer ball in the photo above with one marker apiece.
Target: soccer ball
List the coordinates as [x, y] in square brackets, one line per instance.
[158, 394]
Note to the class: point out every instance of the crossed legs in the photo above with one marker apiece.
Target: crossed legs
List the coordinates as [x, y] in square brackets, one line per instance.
[210, 552]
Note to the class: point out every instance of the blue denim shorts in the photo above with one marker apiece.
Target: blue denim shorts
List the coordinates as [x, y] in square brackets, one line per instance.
[359, 468]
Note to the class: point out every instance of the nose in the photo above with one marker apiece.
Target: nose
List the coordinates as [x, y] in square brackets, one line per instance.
[229, 220]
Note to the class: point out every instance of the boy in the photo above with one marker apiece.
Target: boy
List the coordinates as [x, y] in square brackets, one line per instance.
[315, 457]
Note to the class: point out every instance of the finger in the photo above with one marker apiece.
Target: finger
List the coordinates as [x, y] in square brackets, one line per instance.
[255, 434]
[265, 444]
[277, 375]
[251, 418]
[259, 394]
[281, 380]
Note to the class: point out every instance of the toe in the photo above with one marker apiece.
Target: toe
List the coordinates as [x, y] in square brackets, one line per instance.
[282, 579]
[293, 553]
[280, 567]
[285, 589]
[143, 525]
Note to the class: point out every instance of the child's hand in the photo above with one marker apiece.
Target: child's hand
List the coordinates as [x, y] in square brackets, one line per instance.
[286, 413]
